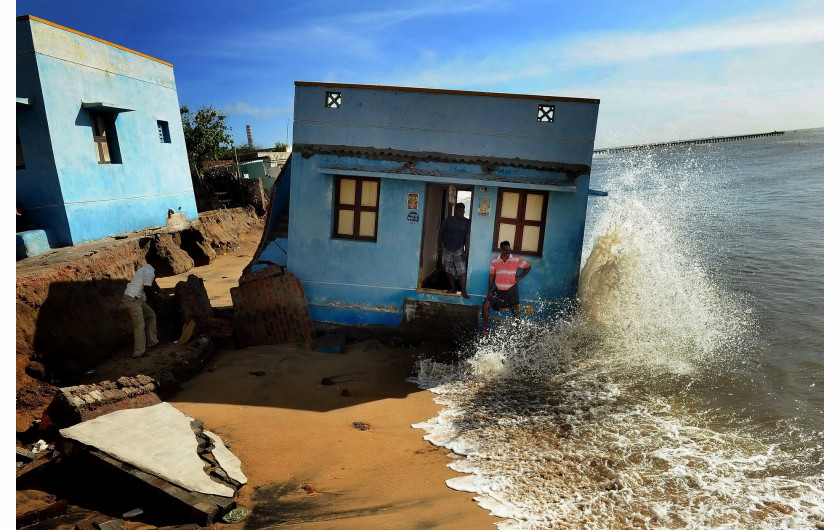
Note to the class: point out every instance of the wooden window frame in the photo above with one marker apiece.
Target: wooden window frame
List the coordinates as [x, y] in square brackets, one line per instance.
[108, 127]
[520, 221]
[356, 208]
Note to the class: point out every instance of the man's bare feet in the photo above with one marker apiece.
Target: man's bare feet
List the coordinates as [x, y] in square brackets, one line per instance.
[465, 295]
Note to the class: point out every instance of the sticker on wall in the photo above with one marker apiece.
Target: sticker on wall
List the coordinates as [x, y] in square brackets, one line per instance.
[413, 200]
[413, 217]
[484, 207]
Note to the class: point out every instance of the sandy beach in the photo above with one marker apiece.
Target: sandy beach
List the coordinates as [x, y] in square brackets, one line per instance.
[307, 465]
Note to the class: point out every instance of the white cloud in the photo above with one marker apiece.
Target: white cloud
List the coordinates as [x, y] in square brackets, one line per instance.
[550, 58]
[728, 35]
[420, 10]
[733, 77]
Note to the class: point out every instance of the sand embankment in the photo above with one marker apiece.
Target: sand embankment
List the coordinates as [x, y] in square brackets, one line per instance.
[68, 318]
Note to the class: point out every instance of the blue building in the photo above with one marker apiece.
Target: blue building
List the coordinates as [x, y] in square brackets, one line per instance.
[100, 148]
[374, 170]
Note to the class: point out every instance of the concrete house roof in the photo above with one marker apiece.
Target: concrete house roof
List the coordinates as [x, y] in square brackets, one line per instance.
[31, 17]
[445, 91]
[445, 135]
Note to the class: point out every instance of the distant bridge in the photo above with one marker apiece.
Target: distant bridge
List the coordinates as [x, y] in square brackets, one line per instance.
[712, 140]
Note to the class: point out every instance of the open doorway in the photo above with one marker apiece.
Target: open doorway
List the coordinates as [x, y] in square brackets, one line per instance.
[440, 204]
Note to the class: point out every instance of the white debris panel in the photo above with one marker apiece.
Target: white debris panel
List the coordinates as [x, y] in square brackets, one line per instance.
[160, 441]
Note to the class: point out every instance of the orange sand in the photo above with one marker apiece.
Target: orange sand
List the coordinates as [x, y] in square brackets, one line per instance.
[290, 431]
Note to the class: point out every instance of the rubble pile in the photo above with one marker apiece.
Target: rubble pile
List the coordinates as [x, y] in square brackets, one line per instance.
[75, 404]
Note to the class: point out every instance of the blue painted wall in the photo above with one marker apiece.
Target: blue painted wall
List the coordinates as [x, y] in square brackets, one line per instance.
[446, 122]
[361, 282]
[367, 282]
[63, 186]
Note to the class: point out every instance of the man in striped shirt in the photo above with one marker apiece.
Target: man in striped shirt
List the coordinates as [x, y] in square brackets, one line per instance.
[503, 290]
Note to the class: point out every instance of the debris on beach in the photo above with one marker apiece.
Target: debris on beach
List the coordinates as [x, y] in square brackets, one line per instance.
[79, 403]
[48, 507]
[361, 425]
[309, 488]
[235, 515]
[180, 467]
[132, 513]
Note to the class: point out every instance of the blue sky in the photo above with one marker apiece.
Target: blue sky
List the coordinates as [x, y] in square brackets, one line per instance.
[663, 70]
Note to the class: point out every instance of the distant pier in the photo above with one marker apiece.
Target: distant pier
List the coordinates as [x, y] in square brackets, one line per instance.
[712, 140]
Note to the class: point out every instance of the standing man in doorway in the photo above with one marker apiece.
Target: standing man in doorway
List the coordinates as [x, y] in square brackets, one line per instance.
[503, 290]
[454, 238]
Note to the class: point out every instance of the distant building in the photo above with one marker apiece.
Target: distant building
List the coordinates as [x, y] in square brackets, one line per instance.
[357, 210]
[100, 148]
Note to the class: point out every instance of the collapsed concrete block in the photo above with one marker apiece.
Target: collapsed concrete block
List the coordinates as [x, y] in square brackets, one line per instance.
[193, 302]
[159, 440]
[162, 451]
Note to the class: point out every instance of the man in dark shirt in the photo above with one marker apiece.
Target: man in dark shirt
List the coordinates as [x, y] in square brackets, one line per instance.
[454, 240]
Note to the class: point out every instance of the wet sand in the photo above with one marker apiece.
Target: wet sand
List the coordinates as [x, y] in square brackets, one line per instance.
[294, 434]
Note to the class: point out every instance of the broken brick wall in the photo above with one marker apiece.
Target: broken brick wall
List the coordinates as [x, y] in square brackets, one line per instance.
[269, 307]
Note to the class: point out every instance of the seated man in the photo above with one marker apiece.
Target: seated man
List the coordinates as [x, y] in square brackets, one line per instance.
[503, 291]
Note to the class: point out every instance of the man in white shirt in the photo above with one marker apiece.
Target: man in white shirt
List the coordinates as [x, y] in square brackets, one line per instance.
[142, 316]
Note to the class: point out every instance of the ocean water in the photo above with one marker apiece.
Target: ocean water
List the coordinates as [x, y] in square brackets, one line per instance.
[687, 390]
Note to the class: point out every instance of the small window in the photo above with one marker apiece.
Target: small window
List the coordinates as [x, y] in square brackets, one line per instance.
[545, 113]
[163, 132]
[520, 219]
[20, 163]
[105, 137]
[356, 208]
[333, 100]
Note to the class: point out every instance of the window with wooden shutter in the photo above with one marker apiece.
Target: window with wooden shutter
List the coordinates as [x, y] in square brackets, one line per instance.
[356, 208]
[520, 219]
[105, 137]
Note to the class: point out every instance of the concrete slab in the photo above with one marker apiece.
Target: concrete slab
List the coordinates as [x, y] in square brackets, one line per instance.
[33, 242]
[158, 440]
[228, 461]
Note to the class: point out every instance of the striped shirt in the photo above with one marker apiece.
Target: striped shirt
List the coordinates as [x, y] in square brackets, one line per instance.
[505, 271]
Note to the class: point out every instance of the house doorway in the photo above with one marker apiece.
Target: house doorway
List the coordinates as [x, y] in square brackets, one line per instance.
[440, 204]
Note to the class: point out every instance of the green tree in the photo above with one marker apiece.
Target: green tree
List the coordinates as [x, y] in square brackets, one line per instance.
[280, 146]
[205, 134]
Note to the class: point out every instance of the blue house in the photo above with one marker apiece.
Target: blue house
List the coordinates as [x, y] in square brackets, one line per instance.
[375, 169]
[100, 148]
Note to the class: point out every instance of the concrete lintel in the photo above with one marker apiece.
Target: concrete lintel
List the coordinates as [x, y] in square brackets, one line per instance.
[105, 106]
[475, 180]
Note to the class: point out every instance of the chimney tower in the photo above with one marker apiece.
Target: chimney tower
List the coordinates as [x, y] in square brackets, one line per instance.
[250, 138]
